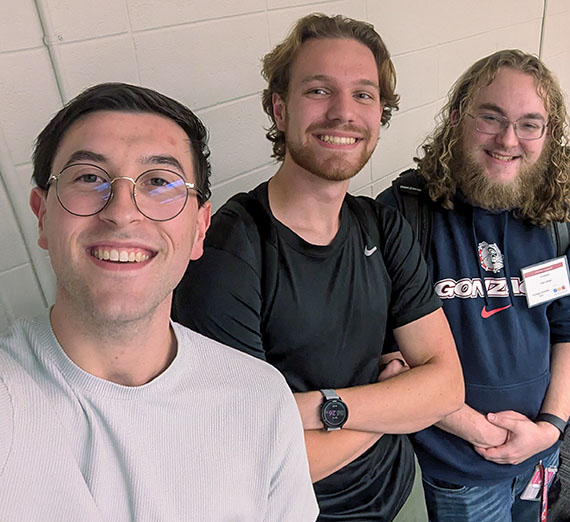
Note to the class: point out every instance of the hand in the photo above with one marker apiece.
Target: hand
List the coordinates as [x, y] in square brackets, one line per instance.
[392, 368]
[526, 438]
[487, 435]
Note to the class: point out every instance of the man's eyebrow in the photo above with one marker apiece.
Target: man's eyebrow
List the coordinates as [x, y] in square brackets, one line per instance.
[325, 78]
[496, 108]
[162, 159]
[85, 155]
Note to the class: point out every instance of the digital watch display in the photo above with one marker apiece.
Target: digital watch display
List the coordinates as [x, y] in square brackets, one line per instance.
[334, 412]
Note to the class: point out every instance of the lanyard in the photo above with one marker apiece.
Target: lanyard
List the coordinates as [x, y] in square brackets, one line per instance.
[544, 501]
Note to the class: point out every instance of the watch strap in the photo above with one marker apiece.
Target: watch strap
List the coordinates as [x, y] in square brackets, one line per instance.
[330, 394]
[557, 422]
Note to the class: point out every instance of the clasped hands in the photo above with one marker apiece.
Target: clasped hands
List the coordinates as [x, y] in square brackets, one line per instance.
[510, 437]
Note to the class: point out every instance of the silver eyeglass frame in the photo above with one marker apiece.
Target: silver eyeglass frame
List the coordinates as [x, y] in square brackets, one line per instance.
[506, 123]
[189, 186]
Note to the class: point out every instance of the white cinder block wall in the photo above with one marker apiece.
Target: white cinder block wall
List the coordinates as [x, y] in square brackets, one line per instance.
[207, 55]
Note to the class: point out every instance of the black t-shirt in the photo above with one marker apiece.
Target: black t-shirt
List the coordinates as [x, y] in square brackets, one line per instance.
[326, 327]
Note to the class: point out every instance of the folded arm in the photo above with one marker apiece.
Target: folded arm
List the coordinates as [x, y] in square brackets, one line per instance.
[413, 399]
[329, 451]
[473, 427]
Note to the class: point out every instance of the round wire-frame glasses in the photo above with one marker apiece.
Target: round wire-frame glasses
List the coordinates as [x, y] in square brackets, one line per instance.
[84, 190]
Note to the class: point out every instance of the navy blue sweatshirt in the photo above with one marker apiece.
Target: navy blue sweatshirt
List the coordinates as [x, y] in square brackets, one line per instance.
[475, 261]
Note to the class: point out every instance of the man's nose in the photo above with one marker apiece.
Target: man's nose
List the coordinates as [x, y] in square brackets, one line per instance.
[342, 107]
[508, 137]
[122, 209]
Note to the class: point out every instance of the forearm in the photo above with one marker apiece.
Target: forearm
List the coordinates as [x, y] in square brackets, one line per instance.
[411, 400]
[473, 427]
[329, 451]
[408, 402]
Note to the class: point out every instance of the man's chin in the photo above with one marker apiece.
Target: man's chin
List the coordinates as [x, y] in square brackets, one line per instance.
[336, 167]
[497, 189]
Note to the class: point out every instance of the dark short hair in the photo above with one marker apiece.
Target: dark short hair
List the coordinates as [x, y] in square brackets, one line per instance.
[126, 98]
[277, 64]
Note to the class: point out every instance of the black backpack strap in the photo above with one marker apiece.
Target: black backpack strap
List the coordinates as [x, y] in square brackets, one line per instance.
[560, 234]
[413, 202]
[263, 237]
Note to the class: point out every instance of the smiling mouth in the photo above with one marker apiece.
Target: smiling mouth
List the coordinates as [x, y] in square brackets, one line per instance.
[337, 140]
[120, 255]
[501, 157]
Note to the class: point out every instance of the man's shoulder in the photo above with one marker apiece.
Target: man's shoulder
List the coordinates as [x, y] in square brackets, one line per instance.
[240, 225]
[376, 218]
[370, 208]
[23, 335]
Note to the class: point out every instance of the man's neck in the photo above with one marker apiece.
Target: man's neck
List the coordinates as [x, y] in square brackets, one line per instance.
[307, 204]
[129, 353]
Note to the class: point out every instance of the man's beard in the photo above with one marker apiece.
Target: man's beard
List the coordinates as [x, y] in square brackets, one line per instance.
[335, 167]
[482, 192]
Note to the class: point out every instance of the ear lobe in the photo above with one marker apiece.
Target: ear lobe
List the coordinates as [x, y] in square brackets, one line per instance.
[279, 111]
[202, 224]
[38, 204]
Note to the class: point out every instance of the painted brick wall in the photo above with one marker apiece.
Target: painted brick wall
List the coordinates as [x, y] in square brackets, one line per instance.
[207, 55]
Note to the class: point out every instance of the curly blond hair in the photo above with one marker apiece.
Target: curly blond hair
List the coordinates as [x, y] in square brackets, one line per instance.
[551, 198]
[277, 65]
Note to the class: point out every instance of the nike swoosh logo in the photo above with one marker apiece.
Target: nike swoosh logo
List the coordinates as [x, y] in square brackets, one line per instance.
[485, 314]
[369, 251]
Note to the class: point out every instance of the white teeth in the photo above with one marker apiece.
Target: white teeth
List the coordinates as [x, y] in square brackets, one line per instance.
[122, 256]
[500, 157]
[337, 140]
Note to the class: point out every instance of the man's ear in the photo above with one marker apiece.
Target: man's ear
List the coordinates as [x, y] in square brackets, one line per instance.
[454, 117]
[38, 204]
[279, 111]
[202, 224]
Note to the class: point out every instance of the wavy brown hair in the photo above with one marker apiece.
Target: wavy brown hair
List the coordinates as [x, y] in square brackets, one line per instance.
[551, 198]
[277, 65]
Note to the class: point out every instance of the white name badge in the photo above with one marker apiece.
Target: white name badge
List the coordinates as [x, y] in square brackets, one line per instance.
[546, 281]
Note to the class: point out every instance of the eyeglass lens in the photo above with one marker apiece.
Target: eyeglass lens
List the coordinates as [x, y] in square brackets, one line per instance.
[525, 128]
[85, 189]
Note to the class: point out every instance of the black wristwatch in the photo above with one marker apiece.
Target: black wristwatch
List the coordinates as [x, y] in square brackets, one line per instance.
[557, 422]
[334, 412]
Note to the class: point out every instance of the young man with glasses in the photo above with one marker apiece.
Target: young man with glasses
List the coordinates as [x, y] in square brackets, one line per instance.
[108, 411]
[494, 173]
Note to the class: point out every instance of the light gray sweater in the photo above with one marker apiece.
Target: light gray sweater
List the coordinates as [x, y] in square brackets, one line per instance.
[215, 437]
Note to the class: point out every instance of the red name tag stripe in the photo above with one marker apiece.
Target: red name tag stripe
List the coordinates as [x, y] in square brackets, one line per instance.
[539, 271]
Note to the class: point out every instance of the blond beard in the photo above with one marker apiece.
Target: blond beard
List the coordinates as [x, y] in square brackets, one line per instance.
[482, 192]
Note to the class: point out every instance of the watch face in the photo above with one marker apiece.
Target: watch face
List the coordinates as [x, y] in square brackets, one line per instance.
[334, 414]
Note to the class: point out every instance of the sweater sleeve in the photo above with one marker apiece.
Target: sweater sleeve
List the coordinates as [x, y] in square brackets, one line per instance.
[558, 313]
[291, 494]
[6, 424]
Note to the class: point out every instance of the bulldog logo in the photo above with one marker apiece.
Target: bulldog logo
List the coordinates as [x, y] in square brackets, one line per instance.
[490, 257]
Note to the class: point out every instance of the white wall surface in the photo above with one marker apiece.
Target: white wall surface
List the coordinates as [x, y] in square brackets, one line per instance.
[207, 55]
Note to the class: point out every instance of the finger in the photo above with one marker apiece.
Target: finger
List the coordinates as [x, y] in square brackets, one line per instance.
[506, 419]
[392, 368]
